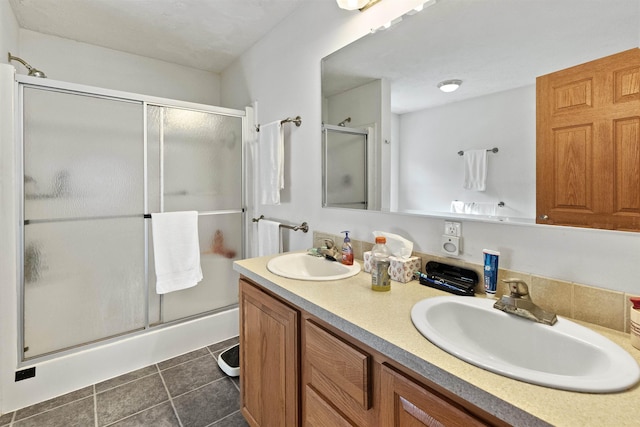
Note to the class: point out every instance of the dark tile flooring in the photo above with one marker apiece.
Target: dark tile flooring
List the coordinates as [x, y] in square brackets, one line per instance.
[187, 391]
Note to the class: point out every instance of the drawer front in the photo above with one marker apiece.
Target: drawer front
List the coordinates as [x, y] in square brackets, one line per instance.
[320, 413]
[340, 371]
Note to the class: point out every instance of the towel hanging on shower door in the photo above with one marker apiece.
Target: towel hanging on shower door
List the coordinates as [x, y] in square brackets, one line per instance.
[176, 250]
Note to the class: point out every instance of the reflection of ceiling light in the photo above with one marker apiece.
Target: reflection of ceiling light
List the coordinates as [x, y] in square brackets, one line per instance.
[449, 85]
[351, 4]
[356, 4]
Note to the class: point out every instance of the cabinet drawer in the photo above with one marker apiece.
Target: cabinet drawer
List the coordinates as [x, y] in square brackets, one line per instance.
[320, 414]
[336, 368]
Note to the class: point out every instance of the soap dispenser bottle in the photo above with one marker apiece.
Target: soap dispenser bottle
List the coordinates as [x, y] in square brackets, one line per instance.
[347, 250]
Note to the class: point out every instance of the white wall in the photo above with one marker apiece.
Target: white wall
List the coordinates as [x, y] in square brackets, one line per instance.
[282, 72]
[430, 140]
[71, 61]
[8, 32]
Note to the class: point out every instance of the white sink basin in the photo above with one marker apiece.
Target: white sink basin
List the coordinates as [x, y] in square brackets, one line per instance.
[306, 267]
[565, 356]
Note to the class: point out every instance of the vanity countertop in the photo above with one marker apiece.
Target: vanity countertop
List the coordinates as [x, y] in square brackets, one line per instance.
[382, 321]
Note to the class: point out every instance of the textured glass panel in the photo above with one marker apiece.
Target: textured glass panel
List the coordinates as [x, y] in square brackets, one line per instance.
[82, 155]
[154, 116]
[346, 172]
[83, 282]
[202, 161]
[220, 245]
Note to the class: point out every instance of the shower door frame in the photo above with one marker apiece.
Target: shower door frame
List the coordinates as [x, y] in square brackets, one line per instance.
[365, 133]
[22, 81]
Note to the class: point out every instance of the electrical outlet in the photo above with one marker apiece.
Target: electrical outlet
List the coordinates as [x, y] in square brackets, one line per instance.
[452, 228]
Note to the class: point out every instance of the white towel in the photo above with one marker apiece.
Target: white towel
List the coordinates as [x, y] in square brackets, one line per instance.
[475, 170]
[480, 208]
[268, 238]
[457, 206]
[176, 250]
[474, 208]
[271, 163]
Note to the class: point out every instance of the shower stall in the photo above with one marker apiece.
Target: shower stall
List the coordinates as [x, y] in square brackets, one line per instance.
[93, 165]
[345, 168]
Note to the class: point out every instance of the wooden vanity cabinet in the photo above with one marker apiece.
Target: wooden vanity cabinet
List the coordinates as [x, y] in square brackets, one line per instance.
[295, 370]
[406, 403]
[269, 349]
[336, 375]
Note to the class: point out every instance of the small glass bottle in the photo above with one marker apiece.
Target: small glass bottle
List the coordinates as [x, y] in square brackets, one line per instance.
[380, 263]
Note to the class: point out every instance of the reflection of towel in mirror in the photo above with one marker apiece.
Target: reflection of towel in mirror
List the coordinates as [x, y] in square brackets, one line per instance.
[475, 170]
[475, 208]
[270, 163]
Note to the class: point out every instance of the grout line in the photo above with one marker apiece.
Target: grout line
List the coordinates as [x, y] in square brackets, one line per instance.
[173, 406]
[95, 406]
[137, 413]
[48, 410]
[203, 385]
[223, 418]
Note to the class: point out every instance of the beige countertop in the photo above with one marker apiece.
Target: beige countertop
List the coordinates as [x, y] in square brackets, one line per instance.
[382, 321]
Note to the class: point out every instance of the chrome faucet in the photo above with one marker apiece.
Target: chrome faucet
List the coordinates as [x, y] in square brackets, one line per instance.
[328, 249]
[519, 302]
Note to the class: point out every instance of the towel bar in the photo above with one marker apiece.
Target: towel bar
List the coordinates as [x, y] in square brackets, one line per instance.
[491, 150]
[304, 227]
[297, 120]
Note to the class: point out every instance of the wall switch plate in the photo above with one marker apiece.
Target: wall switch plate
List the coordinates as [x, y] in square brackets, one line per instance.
[452, 228]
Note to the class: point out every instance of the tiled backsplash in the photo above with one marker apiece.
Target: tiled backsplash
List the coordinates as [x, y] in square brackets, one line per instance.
[573, 300]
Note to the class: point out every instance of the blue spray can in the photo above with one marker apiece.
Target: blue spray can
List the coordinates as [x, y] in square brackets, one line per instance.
[490, 272]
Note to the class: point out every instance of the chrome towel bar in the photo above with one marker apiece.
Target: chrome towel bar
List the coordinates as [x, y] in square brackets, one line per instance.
[297, 120]
[304, 227]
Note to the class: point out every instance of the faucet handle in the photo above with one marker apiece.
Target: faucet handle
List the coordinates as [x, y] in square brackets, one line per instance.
[518, 288]
[329, 243]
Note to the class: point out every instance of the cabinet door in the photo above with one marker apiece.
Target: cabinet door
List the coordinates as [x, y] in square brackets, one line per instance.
[405, 403]
[268, 359]
[588, 144]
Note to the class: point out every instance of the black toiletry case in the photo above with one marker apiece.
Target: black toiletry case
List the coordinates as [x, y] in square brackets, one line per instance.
[449, 278]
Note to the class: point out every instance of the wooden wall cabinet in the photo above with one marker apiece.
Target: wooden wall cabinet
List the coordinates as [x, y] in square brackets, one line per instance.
[588, 144]
[295, 370]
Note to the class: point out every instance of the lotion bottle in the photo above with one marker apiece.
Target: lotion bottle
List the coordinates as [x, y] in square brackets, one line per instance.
[347, 250]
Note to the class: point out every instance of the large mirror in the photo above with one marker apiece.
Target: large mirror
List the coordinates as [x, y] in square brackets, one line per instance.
[419, 139]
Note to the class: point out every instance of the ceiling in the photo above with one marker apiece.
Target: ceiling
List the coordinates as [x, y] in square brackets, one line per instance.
[492, 45]
[203, 34]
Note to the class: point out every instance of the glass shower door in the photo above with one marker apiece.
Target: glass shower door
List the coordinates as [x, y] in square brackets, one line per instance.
[195, 163]
[83, 234]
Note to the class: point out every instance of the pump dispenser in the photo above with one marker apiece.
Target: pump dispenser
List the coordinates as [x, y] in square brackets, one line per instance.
[347, 250]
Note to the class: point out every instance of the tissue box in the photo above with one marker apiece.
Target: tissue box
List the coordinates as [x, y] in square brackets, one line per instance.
[401, 268]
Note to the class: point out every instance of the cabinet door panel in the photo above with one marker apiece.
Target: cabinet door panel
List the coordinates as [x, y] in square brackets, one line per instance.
[268, 359]
[405, 403]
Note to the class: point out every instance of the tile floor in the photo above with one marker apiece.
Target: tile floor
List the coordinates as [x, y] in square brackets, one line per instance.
[187, 391]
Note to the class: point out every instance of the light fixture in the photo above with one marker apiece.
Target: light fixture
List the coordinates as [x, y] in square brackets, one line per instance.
[449, 85]
[362, 5]
[32, 71]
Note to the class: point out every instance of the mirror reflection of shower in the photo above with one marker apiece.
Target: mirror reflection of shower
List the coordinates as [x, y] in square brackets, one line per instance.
[345, 121]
